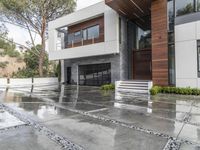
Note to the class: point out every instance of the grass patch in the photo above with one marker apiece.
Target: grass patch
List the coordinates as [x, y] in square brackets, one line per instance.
[174, 90]
[108, 87]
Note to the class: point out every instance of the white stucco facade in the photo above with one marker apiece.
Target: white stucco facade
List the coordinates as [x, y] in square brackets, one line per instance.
[186, 36]
[110, 44]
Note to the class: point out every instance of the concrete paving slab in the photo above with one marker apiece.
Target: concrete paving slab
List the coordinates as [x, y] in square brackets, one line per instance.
[41, 112]
[195, 119]
[189, 147]
[195, 110]
[81, 106]
[18, 98]
[94, 134]
[175, 99]
[168, 114]
[191, 133]
[26, 139]
[160, 125]
[7, 120]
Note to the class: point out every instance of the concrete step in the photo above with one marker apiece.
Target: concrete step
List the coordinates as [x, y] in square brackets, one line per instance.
[134, 86]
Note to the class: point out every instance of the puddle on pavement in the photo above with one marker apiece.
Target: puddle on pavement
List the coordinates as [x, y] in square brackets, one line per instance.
[8, 120]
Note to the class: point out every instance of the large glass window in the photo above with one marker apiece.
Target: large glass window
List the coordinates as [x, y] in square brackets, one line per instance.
[172, 75]
[77, 36]
[198, 53]
[184, 7]
[70, 38]
[93, 32]
[95, 74]
[143, 39]
[198, 5]
[170, 15]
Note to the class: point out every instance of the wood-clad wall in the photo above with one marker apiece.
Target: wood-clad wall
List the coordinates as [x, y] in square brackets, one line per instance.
[159, 42]
[81, 26]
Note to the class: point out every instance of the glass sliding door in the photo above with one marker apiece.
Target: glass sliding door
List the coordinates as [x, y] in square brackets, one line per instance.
[95, 74]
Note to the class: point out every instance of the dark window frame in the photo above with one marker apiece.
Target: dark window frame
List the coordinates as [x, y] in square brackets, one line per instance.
[198, 58]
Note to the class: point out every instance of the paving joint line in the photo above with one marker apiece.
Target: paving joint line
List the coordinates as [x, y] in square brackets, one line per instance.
[60, 140]
[13, 128]
[172, 144]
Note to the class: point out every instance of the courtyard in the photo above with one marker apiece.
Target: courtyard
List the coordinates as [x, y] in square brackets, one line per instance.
[86, 118]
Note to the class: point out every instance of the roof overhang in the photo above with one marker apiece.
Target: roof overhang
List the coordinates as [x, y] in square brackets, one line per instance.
[138, 11]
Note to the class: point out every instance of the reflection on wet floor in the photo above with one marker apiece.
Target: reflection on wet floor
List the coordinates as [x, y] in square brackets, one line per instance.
[176, 116]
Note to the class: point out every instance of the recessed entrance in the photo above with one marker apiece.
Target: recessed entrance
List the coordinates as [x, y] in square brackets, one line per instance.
[142, 64]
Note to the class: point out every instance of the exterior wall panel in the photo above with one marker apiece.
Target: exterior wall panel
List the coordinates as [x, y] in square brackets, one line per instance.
[186, 36]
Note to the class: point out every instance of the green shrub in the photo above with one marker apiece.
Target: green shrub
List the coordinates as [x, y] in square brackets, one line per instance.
[108, 87]
[174, 90]
[155, 90]
[3, 64]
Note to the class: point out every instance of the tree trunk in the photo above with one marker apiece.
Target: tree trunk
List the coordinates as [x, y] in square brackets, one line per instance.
[42, 52]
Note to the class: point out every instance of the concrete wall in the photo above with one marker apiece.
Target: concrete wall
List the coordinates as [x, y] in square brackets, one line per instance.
[110, 46]
[74, 63]
[27, 81]
[186, 36]
[3, 81]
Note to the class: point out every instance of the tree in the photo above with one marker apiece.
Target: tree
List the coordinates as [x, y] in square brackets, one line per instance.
[34, 16]
[3, 31]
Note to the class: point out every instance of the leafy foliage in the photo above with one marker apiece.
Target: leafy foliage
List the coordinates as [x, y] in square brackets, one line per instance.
[34, 16]
[3, 64]
[32, 63]
[175, 90]
[108, 87]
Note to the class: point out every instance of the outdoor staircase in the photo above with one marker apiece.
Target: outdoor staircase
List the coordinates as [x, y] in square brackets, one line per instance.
[134, 86]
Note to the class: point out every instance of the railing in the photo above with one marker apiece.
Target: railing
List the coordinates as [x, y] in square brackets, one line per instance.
[76, 43]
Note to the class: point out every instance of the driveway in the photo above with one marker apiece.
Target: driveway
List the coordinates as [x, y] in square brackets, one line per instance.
[75, 118]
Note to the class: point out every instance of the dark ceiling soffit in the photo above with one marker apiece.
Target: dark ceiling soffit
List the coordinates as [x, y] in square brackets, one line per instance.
[137, 11]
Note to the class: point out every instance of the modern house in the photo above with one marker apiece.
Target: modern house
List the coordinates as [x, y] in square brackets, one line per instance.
[129, 40]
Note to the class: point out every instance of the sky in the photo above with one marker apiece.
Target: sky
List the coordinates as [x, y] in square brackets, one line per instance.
[20, 35]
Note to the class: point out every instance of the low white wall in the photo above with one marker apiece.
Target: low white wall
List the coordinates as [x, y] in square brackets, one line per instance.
[45, 80]
[28, 81]
[19, 82]
[3, 81]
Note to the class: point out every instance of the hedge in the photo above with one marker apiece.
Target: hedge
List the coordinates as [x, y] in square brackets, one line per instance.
[108, 87]
[174, 90]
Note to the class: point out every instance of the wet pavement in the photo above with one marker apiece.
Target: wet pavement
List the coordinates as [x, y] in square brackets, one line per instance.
[73, 118]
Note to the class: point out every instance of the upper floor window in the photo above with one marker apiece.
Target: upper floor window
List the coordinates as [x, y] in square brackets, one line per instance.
[70, 38]
[93, 32]
[187, 6]
[198, 5]
[77, 36]
[170, 8]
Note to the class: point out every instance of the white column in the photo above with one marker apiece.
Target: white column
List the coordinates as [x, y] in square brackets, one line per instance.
[62, 71]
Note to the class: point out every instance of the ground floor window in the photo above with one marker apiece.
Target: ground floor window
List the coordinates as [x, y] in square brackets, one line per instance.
[172, 76]
[95, 74]
[198, 56]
